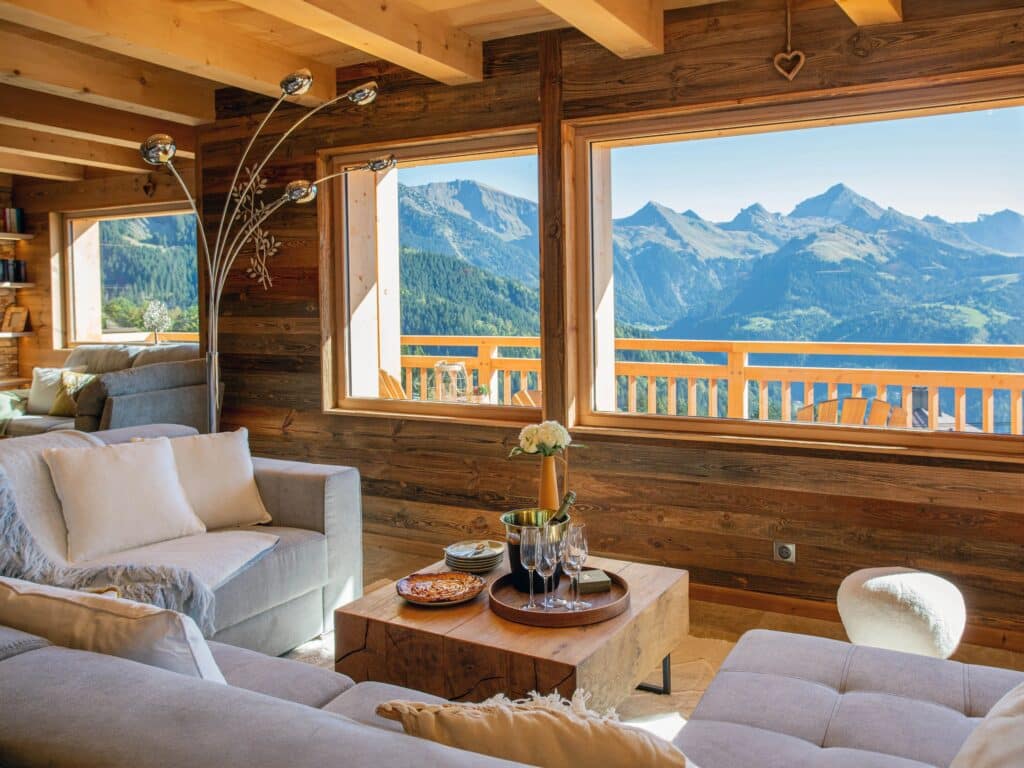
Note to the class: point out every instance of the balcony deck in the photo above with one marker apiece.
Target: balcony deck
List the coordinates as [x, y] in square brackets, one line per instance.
[718, 378]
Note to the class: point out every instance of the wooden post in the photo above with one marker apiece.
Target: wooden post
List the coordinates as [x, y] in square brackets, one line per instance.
[556, 366]
[1016, 408]
[987, 411]
[488, 370]
[787, 401]
[739, 407]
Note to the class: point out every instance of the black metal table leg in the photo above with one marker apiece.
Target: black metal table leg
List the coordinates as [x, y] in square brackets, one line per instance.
[666, 679]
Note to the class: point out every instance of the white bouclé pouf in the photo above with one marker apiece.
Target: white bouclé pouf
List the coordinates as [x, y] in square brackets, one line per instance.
[903, 610]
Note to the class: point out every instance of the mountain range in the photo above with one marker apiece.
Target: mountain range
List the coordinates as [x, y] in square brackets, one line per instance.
[837, 267]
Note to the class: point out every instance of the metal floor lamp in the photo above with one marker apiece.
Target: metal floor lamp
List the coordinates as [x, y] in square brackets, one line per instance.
[245, 211]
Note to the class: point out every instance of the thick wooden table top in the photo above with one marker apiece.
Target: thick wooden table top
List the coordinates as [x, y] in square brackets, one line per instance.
[589, 656]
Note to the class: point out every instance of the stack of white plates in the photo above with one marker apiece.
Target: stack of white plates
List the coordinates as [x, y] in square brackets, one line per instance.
[474, 556]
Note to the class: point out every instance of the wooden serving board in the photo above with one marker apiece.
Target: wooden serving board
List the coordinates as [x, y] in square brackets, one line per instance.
[506, 601]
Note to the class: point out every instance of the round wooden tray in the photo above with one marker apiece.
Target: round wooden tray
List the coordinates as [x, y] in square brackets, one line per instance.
[507, 601]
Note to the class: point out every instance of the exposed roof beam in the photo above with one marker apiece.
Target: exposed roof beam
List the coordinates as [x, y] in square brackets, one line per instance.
[864, 12]
[174, 36]
[48, 146]
[22, 108]
[627, 28]
[420, 41]
[20, 165]
[50, 68]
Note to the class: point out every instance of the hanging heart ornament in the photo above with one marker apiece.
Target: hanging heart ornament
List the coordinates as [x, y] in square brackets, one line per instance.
[790, 63]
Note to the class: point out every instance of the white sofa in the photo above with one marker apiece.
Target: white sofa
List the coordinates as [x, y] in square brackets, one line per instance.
[268, 601]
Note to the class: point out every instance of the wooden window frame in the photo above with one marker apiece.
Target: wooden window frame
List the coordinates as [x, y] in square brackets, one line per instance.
[580, 137]
[333, 264]
[69, 334]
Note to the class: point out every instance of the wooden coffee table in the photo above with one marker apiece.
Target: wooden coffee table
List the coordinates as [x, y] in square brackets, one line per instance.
[466, 653]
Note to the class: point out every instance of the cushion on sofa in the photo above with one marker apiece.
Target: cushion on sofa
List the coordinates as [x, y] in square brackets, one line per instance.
[998, 741]
[45, 388]
[102, 358]
[828, 703]
[37, 500]
[295, 566]
[216, 472]
[35, 424]
[104, 624]
[104, 489]
[281, 678]
[165, 353]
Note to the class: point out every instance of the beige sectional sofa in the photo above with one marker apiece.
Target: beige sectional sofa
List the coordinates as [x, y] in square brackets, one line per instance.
[62, 707]
[791, 701]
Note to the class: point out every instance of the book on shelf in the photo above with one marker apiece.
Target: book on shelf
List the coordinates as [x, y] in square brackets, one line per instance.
[11, 220]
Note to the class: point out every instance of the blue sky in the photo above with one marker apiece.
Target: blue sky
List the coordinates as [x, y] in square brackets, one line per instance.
[955, 166]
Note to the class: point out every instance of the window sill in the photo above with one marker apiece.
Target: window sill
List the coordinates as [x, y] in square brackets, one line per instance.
[457, 414]
[1011, 448]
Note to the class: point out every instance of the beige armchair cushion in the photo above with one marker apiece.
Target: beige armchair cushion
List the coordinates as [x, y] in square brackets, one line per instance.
[999, 741]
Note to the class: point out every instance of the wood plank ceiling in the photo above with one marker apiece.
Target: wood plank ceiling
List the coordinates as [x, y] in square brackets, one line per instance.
[83, 81]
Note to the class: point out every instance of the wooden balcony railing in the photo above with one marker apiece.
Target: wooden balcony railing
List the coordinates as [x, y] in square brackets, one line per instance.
[671, 382]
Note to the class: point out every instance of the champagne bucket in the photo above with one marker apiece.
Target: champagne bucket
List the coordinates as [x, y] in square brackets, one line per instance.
[514, 523]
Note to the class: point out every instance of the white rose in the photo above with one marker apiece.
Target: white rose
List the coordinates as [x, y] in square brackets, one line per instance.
[553, 436]
[528, 438]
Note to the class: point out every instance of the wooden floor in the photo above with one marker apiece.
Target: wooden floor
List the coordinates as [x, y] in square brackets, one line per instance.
[714, 629]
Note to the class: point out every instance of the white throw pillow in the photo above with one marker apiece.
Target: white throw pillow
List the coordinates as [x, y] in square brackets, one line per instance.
[216, 472]
[998, 741]
[109, 625]
[45, 386]
[115, 497]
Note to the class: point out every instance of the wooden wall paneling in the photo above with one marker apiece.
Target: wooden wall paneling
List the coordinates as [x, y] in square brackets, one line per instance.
[700, 504]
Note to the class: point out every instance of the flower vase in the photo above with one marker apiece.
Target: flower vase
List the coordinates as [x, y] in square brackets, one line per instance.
[548, 497]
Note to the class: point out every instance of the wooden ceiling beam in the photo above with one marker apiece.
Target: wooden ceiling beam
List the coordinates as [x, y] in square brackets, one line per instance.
[628, 28]
[400, 33]
[48, 67]
[34, 110]
[20, 165]
[174, 36]
[48, 146]
[865, 12]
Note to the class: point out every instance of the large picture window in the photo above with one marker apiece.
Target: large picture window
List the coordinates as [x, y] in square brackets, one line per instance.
[132, 277]
[866, 275]
[439, 303]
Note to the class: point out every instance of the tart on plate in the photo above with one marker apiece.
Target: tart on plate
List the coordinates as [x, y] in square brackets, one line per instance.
[440, 588]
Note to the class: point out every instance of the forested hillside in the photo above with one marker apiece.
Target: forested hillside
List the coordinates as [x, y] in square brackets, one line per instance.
[152, 258]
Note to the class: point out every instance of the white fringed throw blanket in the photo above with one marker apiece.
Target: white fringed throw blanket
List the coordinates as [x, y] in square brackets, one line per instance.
[21, 557]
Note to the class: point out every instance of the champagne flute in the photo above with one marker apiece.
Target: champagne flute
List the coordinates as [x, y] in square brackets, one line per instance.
[546, 566]
[574, 555]
[529, 556]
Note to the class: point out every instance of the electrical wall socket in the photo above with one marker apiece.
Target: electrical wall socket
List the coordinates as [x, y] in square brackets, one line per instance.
[783, 552]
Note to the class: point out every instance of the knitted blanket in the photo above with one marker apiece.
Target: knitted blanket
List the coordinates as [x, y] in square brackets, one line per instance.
[21, 557]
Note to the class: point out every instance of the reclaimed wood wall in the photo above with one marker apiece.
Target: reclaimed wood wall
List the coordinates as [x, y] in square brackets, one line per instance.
[710, 506]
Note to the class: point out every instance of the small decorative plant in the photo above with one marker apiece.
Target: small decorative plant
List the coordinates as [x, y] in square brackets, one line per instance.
[549, 439]
[156, 319]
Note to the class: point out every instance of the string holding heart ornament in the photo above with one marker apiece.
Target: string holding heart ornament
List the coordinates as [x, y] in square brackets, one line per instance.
[788, 63]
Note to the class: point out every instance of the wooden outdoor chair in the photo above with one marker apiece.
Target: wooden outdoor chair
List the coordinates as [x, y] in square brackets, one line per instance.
[854, 412]
[527, 397]
[390, 387]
